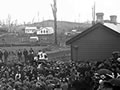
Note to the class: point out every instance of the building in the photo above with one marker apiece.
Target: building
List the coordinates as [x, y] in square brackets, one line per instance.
[45, 34]
[45, 31]
[30, 30]
[40, 31]
[96, 43]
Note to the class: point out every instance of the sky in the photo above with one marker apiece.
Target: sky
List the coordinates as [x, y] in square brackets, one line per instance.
[67, 10]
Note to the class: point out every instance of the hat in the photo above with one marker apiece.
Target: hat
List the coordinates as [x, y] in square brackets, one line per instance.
[116, 52]
[118, 59]
[100, 81]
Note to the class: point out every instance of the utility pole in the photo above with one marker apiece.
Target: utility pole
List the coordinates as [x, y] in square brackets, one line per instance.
[93, 14]
[38, 16]
[54, 10]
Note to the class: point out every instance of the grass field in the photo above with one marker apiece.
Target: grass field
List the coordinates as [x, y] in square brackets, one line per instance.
[35, 48]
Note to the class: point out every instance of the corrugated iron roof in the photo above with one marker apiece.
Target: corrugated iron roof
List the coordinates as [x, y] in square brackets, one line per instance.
[113, 26]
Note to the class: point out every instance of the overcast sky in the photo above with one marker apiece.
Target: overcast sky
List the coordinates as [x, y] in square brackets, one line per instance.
[68, 10]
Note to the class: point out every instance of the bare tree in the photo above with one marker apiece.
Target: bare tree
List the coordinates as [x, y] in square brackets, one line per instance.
[3, 22]
[38, 17]
[0, 22]
[8, 22]
[16, 22]
[33, 20]
[54, 10]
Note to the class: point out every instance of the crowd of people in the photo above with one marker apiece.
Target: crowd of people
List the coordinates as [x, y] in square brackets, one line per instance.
[29, 56]
[37, 72]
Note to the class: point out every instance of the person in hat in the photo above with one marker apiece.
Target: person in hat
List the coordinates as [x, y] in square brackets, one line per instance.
[45, 57]
[1, 55]
[105, 86]
[25, 53]
[19, 55]
[64, 84]
[115, 56]
[31, 51]
[58, 87]
[31, 56]
[40, 55]
[5, 54]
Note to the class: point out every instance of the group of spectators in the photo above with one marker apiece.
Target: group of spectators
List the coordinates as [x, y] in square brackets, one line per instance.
[28, 56]
[38, 73]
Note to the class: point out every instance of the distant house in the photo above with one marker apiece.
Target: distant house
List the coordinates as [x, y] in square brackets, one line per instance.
[42, 34]
[72, 32]
[97, 42]
[30, 30]
[45, 31]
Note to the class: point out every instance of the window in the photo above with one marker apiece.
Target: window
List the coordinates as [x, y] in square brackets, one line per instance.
[47, 31]
[44, 31]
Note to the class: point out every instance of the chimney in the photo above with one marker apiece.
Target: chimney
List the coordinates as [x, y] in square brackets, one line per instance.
[100, 17]
[113, 19]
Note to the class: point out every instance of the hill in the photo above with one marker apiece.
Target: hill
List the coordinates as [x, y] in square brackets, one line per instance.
[62, 25]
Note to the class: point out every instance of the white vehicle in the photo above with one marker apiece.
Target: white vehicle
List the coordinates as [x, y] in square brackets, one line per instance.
[34, 39]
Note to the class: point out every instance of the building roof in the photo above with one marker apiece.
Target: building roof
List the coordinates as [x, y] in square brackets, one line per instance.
[91, 29]
[31, 28]
[49, 30]
[113, 26]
